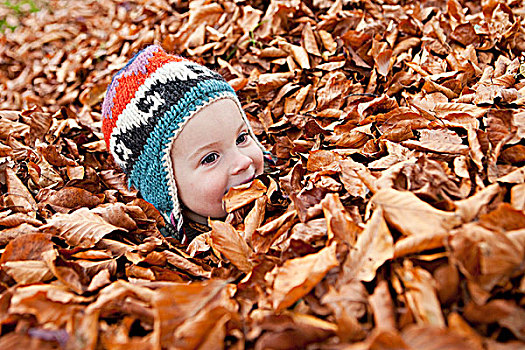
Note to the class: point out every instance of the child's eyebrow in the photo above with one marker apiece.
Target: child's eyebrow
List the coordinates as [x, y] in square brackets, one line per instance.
[241, 126]
[203, 148]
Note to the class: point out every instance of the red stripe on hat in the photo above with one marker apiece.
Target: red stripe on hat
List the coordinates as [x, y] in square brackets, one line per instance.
[128, 85]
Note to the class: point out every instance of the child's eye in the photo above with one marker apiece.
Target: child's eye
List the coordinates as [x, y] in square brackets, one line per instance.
[210, 158]
[242, 138]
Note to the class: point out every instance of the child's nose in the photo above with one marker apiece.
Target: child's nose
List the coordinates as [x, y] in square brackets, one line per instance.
[241, 163]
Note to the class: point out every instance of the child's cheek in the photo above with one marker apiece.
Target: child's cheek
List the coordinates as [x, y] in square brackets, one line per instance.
[214, 187]
[259, 162]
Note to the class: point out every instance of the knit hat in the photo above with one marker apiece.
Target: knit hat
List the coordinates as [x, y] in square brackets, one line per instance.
[147, 104]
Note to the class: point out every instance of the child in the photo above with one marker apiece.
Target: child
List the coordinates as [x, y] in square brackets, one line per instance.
[178, 131]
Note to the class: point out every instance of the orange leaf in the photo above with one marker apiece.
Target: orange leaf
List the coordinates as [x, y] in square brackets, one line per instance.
[239, 196]
[18, 196]
[374, 246]
[296, 277]
[229, 243]
[338, 221]
[82, 228]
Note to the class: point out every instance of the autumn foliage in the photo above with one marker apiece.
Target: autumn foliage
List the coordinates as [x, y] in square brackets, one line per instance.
[393, 219]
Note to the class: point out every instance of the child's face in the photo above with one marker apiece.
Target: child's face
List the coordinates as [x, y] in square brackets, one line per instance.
[211, 154]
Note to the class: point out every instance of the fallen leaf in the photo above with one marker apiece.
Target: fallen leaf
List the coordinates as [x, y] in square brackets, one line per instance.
[412, 216]
[229, 242]
[296, 277]
[27, 271]
[242, 195]
[73, 198]
[176, 302]
[421, 295]
[18, 196]
[383, 307]
[338, 222]
[434, 338]
[81, 228]
[31, 246]
[374, 246]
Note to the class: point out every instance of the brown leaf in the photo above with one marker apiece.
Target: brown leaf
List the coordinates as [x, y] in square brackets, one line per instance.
[457, 324]
[239, 196]
[384, 62]
[490, 257]
[308, 39]
[435, 338]
[207, 330]
[517, 197]
[338, 221]
[293, 330]
[348, 304]
[39, 125]
[185, 265]
[440, 140]
[178, 301]
[266, 235]
[39, 301]
[374, 246]
[92, 94]
[514, 154]
[150, 211]
[383, 307]
[505, 312]
[117, 180]
[469, 208]
[412, 216]
[356, 178]
[73, 198]
[271, 81]
[301, 56]
[332, 95]
[418, 243]
[118, 215]
[421, 295]
[28, 247]
[95, 146]
[309, 232]
[296, 277]
[30, 340]
[81, 228]
[7, 235]
[12, 128]
[229, 243]
[18, 219]
[254, 219]
[54, 157]
[18, 196]
[465, 34]
[48, 176]
[328, 41]
[505, 217]
[447, 283]
[382, 340]
[323, 160]
[27, 271]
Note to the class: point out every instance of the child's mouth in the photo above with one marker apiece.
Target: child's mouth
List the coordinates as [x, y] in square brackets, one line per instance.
[249, 180]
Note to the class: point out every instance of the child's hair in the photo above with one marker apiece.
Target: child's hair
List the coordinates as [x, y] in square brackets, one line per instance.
[146, 106]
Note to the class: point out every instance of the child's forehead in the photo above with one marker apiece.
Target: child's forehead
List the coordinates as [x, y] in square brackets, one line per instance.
[216, 122]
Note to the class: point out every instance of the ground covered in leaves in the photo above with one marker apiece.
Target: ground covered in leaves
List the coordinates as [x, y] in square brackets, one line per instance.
[394, 218]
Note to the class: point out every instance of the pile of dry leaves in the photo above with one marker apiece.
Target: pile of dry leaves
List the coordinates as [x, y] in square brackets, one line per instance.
[394, 218]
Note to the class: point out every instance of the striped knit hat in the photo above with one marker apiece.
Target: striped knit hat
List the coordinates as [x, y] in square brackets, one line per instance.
[146, 106]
